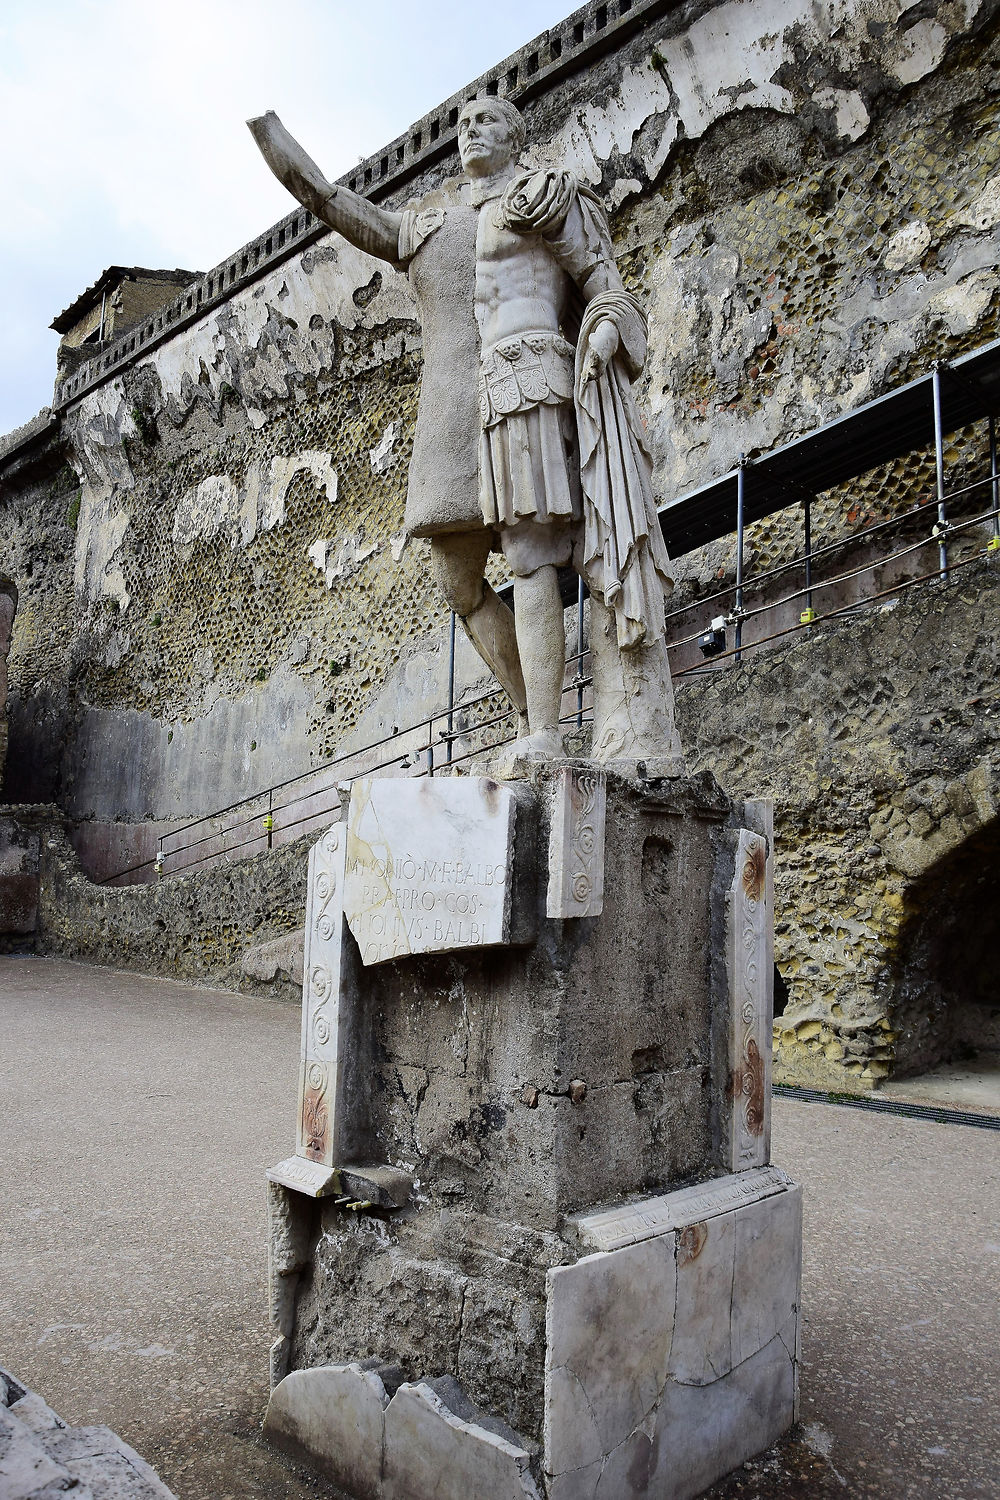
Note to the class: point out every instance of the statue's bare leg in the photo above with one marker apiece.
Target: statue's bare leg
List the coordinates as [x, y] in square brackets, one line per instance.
[538, 616]
[535, 551]
[458, 560]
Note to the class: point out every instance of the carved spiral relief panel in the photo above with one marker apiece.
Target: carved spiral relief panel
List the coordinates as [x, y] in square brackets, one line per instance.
[576, 850]
[321, 999]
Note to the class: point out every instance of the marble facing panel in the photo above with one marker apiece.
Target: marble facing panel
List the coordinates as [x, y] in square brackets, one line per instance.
[609, 1322]
[334, 1414]
[432, 1454]
[671, 1361]
[411, 1447]
[612, 1228]
[324, 995]
[750, 965]
[576, 843]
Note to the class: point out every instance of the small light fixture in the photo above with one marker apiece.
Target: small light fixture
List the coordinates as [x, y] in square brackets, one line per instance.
[714, 639]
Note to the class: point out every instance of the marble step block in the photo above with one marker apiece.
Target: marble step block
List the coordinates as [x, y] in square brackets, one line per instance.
[41, 1457]
[672, 1360]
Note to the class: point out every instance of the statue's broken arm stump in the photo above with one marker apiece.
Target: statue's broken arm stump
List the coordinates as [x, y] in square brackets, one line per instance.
[530, 1242]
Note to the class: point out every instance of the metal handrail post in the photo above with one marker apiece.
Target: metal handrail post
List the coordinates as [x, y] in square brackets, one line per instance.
[995, 478]
[807, 615]
[451, 686]
[579, 651]
[942, 512]
[807, 524]
[740, 529]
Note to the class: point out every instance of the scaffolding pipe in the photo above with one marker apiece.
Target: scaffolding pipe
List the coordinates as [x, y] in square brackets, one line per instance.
[942, 512]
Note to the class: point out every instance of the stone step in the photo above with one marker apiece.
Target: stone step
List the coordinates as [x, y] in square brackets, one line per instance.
[41, 1458]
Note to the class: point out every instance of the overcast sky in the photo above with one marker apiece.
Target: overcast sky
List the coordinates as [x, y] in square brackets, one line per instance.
[122, 135]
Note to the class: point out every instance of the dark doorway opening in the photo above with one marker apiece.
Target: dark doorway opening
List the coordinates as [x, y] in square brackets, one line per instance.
[946, 970]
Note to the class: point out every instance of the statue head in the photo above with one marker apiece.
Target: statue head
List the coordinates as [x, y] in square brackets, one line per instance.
[491, 133]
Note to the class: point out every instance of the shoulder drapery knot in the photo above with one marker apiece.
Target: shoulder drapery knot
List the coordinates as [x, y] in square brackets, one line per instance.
[417, 226]
[537, 202]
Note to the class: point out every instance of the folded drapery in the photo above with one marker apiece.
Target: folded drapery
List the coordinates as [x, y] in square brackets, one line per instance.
[625, 556]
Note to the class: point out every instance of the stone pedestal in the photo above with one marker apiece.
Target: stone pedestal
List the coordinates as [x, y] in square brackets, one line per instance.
[487, 1245]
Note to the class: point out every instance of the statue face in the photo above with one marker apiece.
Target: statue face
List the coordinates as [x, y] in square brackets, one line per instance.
[484, 139]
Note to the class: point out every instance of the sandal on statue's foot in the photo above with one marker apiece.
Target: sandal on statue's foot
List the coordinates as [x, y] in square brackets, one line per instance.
[544, 744]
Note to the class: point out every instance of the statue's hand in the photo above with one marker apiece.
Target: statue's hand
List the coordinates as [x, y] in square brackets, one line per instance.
[290, 164]
[601, 349]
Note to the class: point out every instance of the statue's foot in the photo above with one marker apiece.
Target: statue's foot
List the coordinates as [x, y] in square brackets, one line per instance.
[616, 740]
[510, 760]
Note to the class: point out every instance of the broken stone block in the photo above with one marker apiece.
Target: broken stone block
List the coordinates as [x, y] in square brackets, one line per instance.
[333, 1416]
[35, 1413]
[280, 958]
[25, 1467]
[432, 1454]
[42, 1459]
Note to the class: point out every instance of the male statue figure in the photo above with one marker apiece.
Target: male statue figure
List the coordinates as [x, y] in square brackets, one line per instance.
[563, 468]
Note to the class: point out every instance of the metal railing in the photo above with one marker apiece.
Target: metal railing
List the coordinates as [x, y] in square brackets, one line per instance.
[469, 729]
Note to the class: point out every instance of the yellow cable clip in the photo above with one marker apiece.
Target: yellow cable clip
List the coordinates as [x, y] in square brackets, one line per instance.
[807, 617]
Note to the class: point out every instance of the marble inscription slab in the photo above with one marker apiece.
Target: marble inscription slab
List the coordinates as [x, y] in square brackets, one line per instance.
[652, 1216]
[428, 865]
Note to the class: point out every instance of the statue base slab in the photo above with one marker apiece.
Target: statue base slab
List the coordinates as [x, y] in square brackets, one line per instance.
[575, 1274]
[669, 1360]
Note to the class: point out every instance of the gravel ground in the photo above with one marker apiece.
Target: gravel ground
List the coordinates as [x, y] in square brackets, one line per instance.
[139, 1116]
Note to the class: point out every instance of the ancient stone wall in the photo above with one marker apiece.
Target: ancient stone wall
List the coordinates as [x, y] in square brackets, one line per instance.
[807, 199]
[879, 739]
[8, 606]
[878, 736]
[233, 925]
[207, 538]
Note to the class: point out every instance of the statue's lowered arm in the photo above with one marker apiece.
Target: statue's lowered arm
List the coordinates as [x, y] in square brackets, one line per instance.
[373, 229]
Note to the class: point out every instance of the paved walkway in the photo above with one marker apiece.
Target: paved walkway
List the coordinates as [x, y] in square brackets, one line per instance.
[138, 1116]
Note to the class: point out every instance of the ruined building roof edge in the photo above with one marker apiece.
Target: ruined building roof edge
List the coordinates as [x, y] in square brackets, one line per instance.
[525, 74]
[109, 277]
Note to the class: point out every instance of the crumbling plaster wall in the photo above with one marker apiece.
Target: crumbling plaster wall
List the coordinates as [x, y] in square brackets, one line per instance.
[807, 197]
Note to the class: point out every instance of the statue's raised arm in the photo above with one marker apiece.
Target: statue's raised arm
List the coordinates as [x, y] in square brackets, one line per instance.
[373, 229]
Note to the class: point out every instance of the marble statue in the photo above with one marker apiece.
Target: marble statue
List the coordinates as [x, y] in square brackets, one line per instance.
[528, 439]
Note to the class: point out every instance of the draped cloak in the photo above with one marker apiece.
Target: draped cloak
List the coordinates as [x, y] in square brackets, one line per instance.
[625, 558]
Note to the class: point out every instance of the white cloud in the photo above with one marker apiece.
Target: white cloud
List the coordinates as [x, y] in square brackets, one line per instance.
[124, 138]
